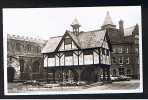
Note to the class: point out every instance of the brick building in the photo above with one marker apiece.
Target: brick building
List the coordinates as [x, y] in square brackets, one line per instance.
[125, 44]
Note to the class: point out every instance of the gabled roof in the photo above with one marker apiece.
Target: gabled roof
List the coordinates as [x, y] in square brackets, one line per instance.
[128, 31]
[91, 39]
[108, 20]
[52, 44]
[84, 40]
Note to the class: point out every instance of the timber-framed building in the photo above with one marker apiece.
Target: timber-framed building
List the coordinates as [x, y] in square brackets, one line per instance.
[78, 56]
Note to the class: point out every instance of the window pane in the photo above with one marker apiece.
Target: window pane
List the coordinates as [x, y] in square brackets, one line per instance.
[107, 52]
[68, 53]
[51, 56]
[68, 41]
[103, 51]
[88, 52]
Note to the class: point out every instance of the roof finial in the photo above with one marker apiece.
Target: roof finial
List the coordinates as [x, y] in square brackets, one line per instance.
[108, 23]
[108, 19]
[75, 21]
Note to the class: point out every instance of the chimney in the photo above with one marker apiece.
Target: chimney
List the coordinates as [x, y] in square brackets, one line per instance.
[121, 27]
[137, 29]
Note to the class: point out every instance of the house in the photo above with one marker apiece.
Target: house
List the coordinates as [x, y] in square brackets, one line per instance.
[78, 56]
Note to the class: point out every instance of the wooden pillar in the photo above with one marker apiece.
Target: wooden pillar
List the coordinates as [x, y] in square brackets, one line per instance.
[108, 74]
[53, 75]
[47, 69]
[104, 74]
[78, 66]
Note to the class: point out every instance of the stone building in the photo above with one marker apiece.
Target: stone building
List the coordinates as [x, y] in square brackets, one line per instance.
[78, 56]
[24, 57]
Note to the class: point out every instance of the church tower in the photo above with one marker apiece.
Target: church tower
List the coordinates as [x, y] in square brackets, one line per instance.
[75, 25]
[108, 22]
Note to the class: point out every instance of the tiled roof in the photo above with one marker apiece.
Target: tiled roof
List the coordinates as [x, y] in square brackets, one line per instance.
[52, 44]
[84, 40]
[91, 39]
[128, 31]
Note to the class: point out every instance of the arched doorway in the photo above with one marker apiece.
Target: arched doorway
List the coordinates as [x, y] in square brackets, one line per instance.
[68, 75]
[10, 74]
[13, 62]
[35, 67]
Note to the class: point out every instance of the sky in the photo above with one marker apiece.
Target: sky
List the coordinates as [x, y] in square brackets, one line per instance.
[48, 22]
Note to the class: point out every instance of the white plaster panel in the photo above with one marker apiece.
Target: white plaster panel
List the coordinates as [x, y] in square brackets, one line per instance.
[75, 59]
[68, 47]
[81, 59]
[51, 62]
[45, 62]
[57, 61]
[62, 61]
[68, 60]
[88, 59]
[96, 58]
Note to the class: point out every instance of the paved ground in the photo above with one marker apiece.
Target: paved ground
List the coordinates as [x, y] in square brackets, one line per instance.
[122, 85]
[133, 84]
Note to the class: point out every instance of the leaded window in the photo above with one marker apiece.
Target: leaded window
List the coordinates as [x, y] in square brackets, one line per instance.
[68, 41]
[87, 52]
[121, 71]
[127, 60]
[120, 60]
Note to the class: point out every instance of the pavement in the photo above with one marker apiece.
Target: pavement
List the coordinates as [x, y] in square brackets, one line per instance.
[122, 85]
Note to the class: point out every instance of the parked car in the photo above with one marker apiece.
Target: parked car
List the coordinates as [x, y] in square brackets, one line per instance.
[81, 83]
[32, 82]
[124, 78]
[117, 78]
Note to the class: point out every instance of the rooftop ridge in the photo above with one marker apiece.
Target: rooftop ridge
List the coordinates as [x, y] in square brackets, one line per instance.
[129, 27]
[24, 38]
[55, 36]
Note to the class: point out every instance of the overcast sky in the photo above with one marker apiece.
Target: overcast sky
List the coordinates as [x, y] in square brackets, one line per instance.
[46, 22]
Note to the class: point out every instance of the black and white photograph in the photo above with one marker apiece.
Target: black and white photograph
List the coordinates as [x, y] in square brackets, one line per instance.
[72, 50]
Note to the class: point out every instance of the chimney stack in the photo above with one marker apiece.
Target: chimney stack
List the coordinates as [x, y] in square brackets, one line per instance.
[121, 27]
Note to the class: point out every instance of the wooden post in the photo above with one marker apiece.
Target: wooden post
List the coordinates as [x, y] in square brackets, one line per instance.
[53, 75]
[108, 74]
[47, 69]
[104, 74]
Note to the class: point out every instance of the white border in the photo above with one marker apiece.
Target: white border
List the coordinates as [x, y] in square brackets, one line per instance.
[140, 90]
